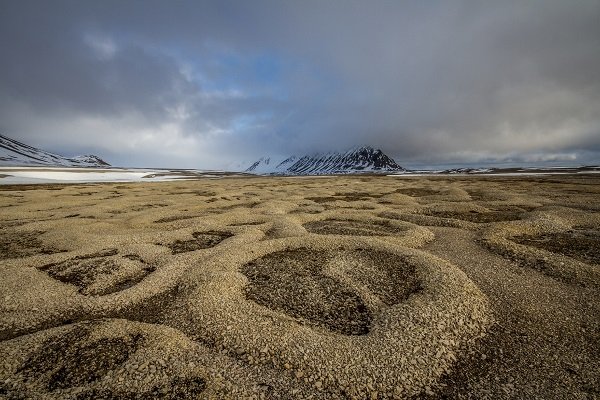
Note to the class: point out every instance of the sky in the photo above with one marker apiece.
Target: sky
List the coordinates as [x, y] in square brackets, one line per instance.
[216, 84]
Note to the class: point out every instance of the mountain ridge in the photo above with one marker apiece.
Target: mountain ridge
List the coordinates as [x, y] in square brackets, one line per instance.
[15, 153]
[359, 159]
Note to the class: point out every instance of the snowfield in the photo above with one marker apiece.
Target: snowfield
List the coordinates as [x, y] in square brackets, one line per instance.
[32, 175]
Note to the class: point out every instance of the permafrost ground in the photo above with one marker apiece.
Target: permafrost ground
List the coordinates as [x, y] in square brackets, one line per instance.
[342, 287]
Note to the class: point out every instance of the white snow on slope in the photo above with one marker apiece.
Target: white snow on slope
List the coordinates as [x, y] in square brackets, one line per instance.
[271, 165]
[359, 159]
[14, 153]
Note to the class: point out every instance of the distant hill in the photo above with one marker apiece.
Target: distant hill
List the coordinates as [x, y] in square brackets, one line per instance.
[356, 160]
[14, 153]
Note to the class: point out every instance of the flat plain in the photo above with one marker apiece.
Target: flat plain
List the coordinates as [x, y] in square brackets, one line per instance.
[437, 287]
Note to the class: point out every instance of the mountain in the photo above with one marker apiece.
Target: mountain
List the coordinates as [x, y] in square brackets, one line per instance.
[356, 160]
[269, 165]
[14, 153]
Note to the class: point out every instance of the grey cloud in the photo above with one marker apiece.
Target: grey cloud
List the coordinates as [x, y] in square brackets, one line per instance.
[456, 81]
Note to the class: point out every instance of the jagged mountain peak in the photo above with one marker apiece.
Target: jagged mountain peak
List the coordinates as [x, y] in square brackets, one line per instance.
[15, 153]
[90, 159]
[355, 160]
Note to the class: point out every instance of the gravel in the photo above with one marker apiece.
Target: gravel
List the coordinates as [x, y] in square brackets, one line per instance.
[330, 288]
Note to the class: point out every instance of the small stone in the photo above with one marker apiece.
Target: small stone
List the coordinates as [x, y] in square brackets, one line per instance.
[319, 385]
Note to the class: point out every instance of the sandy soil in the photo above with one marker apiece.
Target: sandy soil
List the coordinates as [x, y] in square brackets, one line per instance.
[343, 287]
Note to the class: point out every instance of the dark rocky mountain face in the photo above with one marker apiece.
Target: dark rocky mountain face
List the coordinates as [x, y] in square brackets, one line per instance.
[356, 160]
[91, 159]
[14, 153]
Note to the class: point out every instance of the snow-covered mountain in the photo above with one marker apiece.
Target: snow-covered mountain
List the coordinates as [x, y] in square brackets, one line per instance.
[356, 160]
[269, 165]
[14, 153]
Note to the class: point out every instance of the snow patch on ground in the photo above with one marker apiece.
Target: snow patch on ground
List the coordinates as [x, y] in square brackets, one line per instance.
[32, 175]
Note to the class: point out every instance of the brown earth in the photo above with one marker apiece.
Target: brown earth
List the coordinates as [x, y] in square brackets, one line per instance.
[465, 287]
[581, 244]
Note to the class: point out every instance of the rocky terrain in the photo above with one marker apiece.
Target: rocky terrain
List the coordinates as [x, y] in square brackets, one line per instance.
[352, 287]
[356, 160]
[14, 153]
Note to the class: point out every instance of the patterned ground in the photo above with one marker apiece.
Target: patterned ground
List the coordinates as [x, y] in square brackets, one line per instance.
[342, 287]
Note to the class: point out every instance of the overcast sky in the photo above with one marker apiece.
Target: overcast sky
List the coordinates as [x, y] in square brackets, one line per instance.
[207, 84]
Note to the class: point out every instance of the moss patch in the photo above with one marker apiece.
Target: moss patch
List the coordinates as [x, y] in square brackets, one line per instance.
[18, 244]
[478, 217]
[202, 240]
[353, 227]
[580, 244]
[74, 360]
[293, 282]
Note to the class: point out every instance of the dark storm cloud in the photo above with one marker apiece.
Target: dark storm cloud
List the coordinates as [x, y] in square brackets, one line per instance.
[205, 83]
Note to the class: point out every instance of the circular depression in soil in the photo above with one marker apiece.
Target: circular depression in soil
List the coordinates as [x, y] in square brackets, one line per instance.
[478, 217]
[202, 240]
[296, 282]
[568, 253]
[578, 243]
[71, 360]
[351, 314]
[354, 227]
[18, 244]
[100, 273]
[108, 358]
